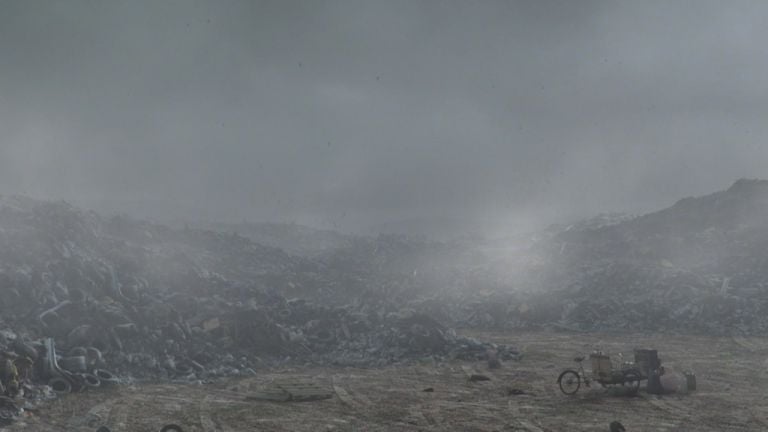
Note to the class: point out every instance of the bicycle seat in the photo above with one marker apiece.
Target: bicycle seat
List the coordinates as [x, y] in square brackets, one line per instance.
[578, 359]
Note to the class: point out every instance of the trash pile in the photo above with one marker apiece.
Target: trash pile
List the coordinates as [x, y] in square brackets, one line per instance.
[88, 301]
[293, 238]
[698, 266]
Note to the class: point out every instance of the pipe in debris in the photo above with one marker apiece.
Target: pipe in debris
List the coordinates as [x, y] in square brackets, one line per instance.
[50, 368]
[60, 379]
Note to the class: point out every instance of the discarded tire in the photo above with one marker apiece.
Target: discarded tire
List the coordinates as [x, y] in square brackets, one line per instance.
[171, 428]
[182, 369]
[103, 429]
[90, 381]
[106, 377]
[60, 385]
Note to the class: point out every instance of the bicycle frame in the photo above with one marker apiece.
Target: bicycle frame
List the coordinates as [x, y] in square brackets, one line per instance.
[583, 375]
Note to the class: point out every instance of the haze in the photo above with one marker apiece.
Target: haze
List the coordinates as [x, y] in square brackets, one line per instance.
[355, 114]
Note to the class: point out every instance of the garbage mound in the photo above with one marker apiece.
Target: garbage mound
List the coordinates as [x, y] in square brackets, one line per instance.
[697, 266]
[88, 301]
[291, 237]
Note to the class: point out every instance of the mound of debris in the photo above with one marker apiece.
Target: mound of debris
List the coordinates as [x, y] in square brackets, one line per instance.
[698, 266]
[293, 238]
[89, 301]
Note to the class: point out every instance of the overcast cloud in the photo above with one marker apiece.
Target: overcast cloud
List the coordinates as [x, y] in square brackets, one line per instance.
[355, 113]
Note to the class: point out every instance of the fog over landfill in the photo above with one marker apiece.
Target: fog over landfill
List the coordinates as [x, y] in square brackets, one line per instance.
[410, 216]
[488, 116]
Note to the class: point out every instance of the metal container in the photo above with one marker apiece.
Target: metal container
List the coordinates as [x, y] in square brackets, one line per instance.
[601, 364]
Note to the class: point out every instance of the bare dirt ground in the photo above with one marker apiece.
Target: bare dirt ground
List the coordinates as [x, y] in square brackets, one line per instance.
[731, 396]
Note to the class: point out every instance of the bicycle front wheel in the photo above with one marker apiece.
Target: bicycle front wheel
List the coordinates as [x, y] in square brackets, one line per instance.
[569, 382]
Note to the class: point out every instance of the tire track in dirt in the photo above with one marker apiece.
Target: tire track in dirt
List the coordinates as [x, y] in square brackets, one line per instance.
[118, 415]
[210, 421]
[678, 413]
[149, 411]
[518, 419]
[416, 413]
[204, 412]
[759, 418]
[669, 406]
[99, 414]
[353, 400]
[748, 344]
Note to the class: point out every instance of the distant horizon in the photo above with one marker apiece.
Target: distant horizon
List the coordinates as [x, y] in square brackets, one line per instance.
[402, 226]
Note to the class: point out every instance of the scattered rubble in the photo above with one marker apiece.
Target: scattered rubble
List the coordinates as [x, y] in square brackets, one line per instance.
[89, 302]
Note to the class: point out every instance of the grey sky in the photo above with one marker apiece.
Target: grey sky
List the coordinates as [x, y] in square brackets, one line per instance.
[355, 113]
